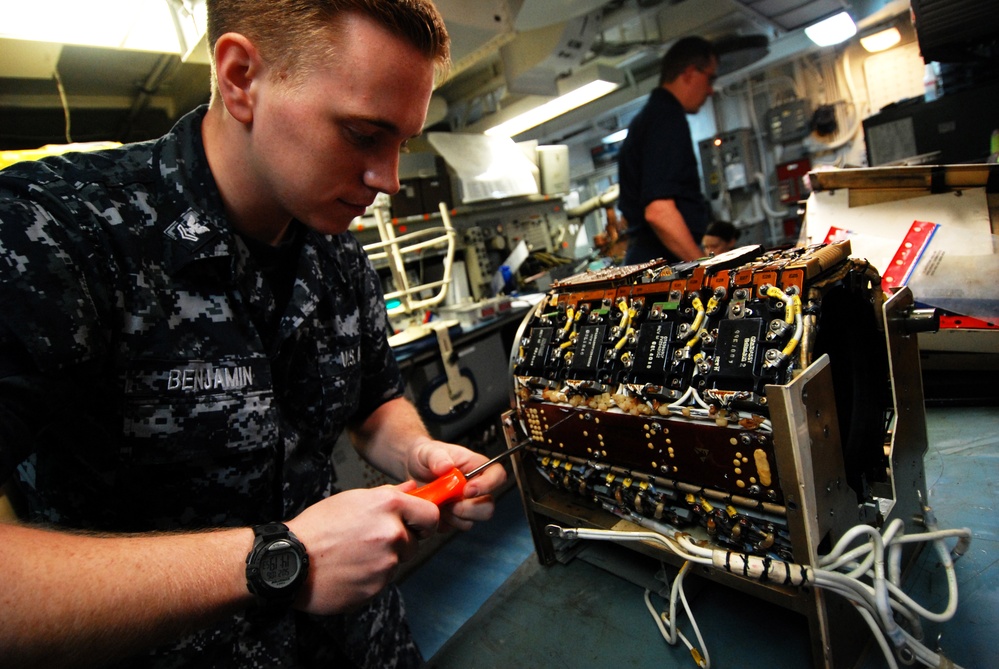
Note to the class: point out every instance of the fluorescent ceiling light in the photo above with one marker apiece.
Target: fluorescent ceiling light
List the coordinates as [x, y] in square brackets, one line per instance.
[615, 137]
[141, 25]
[595, 84]
[879, 41]
[837, 28]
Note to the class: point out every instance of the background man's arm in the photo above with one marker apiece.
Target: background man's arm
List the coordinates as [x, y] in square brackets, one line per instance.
[671, 229]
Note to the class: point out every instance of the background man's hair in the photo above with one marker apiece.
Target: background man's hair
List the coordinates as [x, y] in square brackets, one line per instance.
[687, 51]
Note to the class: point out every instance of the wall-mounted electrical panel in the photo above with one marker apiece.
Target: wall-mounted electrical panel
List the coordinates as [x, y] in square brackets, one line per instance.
[791, 184]
[788, 122]
[729, 160]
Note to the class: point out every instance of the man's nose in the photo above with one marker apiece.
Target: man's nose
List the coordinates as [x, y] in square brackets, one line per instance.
[382, 174]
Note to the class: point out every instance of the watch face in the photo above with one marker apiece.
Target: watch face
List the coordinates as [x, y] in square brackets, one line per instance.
[279, 565]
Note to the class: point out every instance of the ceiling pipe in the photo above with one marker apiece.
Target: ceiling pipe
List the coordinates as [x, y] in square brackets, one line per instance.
[164, 68]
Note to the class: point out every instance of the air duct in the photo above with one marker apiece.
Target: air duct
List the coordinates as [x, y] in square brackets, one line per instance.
[536, 58]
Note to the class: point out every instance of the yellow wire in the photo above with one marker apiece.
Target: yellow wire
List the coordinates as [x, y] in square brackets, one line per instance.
[795, 304]
[624, 338]
[569, 313]
[698, 319]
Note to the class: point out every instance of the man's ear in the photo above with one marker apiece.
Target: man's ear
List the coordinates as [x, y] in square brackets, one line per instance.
[237, 65]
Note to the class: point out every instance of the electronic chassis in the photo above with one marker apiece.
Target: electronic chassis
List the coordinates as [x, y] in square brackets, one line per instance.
[753, 412]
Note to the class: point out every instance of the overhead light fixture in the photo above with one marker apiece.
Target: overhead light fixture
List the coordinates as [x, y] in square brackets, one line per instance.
[577, 90]
[140, 25]
[615, 137]
[881, 40]
[833, 30]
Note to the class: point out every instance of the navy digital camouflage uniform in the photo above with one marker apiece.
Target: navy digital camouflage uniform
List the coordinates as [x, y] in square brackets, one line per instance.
[149, 383]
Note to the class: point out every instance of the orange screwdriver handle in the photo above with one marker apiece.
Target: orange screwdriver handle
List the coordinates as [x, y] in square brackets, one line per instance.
[447, 488]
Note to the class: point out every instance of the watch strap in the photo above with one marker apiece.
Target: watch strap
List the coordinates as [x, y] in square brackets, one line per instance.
[273, 530]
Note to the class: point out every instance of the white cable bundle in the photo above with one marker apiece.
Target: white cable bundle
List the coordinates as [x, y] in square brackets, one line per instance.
[868, 575]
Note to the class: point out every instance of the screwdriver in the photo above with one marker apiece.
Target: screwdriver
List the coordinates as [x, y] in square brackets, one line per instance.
[450, 486]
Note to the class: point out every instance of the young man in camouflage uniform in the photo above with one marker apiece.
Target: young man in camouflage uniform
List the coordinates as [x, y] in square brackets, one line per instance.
[185, 330]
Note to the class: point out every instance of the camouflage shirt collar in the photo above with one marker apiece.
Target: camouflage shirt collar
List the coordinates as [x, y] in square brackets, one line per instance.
[196, 227]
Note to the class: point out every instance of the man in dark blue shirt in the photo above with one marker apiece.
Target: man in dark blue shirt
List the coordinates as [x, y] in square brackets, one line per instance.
[660, 188]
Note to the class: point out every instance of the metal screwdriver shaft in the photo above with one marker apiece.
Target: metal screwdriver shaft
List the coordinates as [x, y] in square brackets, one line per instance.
[505, 454]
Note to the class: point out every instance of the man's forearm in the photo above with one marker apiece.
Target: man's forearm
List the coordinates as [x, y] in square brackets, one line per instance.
[672, 230]
[78, 600]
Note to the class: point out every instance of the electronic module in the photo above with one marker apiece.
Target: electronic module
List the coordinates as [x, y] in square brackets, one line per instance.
[644, 388]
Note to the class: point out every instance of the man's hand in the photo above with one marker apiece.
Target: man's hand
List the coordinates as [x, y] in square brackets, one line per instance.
[394, 440]
[432, 459]
[356, 540]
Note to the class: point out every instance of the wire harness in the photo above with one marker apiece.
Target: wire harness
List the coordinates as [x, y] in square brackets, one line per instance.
[863, 566]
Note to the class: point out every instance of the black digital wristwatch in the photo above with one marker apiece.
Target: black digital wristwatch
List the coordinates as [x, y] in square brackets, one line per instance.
[277, 565]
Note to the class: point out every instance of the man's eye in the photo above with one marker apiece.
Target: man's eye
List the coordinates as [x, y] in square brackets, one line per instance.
[359, 138]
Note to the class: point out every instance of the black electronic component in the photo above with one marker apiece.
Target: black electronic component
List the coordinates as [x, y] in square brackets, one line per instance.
[586, 358]
[535, 350]
[738, 351]
[654, 350]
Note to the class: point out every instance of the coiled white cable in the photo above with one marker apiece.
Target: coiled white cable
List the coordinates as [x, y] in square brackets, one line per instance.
[871, 582]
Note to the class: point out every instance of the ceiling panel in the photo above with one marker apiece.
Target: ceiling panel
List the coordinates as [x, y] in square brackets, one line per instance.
[790, 15]
[123, 95]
